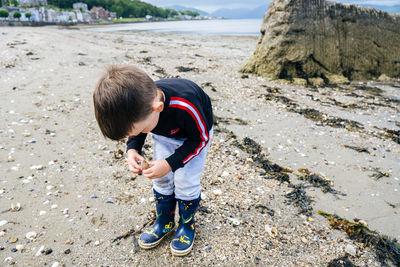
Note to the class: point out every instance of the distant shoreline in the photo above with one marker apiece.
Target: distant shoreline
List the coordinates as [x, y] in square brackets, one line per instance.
[6, 23]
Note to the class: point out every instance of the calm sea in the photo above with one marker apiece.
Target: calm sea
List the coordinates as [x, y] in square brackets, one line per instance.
[215, 27]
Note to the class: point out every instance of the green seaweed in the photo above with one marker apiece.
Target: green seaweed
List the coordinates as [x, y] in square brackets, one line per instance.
[384, 247]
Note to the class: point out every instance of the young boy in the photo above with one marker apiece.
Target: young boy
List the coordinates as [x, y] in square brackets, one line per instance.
[178, 113]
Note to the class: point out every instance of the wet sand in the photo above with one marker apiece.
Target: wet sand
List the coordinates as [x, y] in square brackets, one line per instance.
[78, 197]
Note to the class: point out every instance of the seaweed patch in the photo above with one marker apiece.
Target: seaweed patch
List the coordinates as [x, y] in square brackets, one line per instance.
[341, 262]
[318, 181]
[299, 198]
[358, 149]
[378, 174]
[384, 247]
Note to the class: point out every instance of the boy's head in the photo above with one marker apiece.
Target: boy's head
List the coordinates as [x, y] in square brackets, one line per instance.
[124, 96]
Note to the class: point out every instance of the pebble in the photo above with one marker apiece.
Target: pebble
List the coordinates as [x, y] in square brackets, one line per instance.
[42, 212]
[49, 187]
[2, 233]
[31, 235]
[55, 264]
[48, 251]
[151, 199]
[37, 167]
[225, 174]
[13, 239]
[217, 192]
[19, 247]
[350, 250]
[54, 206]
[40, 251]
[97, 242]
[304, 240]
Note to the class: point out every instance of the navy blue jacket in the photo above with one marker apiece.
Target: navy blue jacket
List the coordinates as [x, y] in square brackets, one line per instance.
[187, 114]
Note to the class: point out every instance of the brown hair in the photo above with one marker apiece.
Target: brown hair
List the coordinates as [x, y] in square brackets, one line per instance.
[123, 96]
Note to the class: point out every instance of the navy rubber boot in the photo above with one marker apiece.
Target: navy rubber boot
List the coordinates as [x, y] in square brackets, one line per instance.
[183, 239]
[164, 224]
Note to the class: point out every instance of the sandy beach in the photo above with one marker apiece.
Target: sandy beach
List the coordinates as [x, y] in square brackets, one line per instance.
[80, 206]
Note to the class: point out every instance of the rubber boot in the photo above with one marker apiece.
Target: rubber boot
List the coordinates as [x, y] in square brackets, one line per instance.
[183, 239]
[164, 224]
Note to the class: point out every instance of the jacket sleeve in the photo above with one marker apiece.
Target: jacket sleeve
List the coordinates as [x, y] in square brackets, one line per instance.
[136, 142]
[198, 136]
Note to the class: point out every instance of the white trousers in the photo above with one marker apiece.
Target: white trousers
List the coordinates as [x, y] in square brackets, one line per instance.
[185, 181]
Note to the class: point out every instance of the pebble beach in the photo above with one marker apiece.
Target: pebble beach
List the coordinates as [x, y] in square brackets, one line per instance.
[282, 155]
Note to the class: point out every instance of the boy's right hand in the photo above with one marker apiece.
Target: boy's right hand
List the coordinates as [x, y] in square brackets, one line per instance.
[133, 158]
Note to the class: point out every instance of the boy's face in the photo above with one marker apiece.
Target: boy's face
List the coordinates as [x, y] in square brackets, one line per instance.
[149, 123]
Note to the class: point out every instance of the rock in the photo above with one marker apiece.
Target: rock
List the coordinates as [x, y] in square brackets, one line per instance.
[317, 39]
[384, 78]
[48, 251]
[337, 79]
[225, 174]
[2, 233]
[316, 81]
[20, 247]
[3, 222]
[351, 250]
[40, 251]
[55, 264]
[13, 239]
[299, 81]
[31, 235]
[217, 192]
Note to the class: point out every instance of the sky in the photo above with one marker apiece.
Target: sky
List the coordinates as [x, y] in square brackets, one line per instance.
[212, 5]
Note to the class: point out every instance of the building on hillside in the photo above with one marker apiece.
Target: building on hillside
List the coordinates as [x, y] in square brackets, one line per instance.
[33, 2]
[100, 12]
[81, 6]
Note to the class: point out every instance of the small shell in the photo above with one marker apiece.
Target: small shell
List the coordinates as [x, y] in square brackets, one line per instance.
[145, 165]
[15, 207]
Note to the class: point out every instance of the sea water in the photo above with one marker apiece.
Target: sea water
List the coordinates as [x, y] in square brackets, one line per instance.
[236, 27]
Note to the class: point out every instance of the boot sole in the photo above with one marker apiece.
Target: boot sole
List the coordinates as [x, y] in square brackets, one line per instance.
[180, 253]
[153, 245]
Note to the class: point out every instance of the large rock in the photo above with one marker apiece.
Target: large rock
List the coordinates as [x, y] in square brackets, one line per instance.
[315, 38]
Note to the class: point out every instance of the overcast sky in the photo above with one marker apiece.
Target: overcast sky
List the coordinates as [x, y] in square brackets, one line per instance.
[212, 5]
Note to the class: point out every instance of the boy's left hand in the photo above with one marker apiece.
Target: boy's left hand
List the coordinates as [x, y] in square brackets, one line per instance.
[158, 169]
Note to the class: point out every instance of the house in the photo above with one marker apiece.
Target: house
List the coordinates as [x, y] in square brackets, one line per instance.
[100, 12]
[33, 2]
[80, 6]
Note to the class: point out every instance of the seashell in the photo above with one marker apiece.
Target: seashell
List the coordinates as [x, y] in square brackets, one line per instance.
[271, 231]
[20, 247]
[31, 235]
[15, 207]
[145, 165]
[2, 233]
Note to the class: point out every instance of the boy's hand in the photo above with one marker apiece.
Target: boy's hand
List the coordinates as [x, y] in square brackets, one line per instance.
[133, 158]
[158, 169]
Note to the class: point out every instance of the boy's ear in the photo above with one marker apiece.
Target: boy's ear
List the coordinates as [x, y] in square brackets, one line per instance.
[158, 106]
